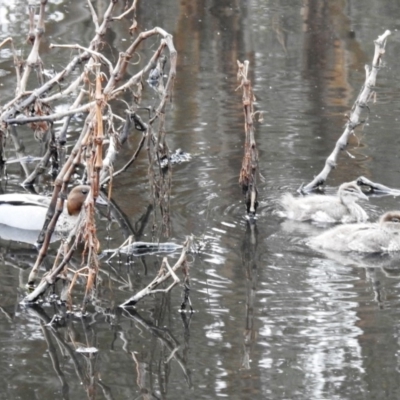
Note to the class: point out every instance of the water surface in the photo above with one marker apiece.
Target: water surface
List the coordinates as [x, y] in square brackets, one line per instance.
[273, 319]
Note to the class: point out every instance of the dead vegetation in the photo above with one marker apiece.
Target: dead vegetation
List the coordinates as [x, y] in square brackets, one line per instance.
[103, 131]
[249, 171]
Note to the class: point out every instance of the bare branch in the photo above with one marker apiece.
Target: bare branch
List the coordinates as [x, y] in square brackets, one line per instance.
[355, 116]
[162, 276]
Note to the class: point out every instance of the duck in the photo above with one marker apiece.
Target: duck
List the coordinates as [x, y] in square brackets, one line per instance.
[341, 208]
[378, 237]
[22, 215]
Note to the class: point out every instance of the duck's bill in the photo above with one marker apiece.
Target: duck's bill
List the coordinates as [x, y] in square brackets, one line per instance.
[100, 200]
[364, 196]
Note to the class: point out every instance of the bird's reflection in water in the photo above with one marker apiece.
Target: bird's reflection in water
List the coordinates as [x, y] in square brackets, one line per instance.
[385, 261]
[304, 229]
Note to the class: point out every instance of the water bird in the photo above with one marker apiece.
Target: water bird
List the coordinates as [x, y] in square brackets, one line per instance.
[323, 208]
[22, 215]
[378, 237]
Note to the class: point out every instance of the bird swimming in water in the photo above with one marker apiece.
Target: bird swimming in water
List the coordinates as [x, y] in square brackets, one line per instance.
[378, 237]
[22, 215]
[320, 208]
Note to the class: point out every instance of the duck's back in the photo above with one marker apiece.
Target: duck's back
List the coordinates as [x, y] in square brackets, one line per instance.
[314, 207]
[29, 217]
[23, 211]
[19, 199]
[27, 212]
[375, 240]
[365, 238]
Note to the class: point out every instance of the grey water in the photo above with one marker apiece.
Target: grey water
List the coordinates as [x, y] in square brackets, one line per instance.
[272, 319]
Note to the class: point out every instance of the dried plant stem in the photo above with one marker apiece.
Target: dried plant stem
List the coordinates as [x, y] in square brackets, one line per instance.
[248, 173]
[53, 213]
[8, 112]
[5, 41]
[52, 117]
[34, 59]
[49, 279]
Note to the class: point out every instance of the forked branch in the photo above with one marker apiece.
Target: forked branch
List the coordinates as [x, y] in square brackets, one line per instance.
[165, 272]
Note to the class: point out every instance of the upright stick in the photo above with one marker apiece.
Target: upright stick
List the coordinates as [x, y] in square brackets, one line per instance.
[247, 179]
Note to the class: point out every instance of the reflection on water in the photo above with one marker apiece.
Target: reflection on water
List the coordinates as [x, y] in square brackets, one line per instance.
[273, 319]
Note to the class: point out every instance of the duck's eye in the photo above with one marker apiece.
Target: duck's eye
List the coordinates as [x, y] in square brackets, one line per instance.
[395, 219]
[85, 191]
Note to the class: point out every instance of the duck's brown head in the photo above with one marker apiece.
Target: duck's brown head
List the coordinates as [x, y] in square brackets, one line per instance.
[391, 217]
[76, 198]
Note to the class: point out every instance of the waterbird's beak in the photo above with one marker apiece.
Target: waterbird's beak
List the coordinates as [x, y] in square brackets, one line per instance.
[363, 196]
[100, 200]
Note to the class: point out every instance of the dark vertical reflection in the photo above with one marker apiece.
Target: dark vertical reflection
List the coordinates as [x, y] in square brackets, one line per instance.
[331, 54]
[212, 39]
[191, 20]
[249, 262]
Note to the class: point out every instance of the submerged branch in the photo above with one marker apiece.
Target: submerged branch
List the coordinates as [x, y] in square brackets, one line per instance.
[166, 271]
[373, 187]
